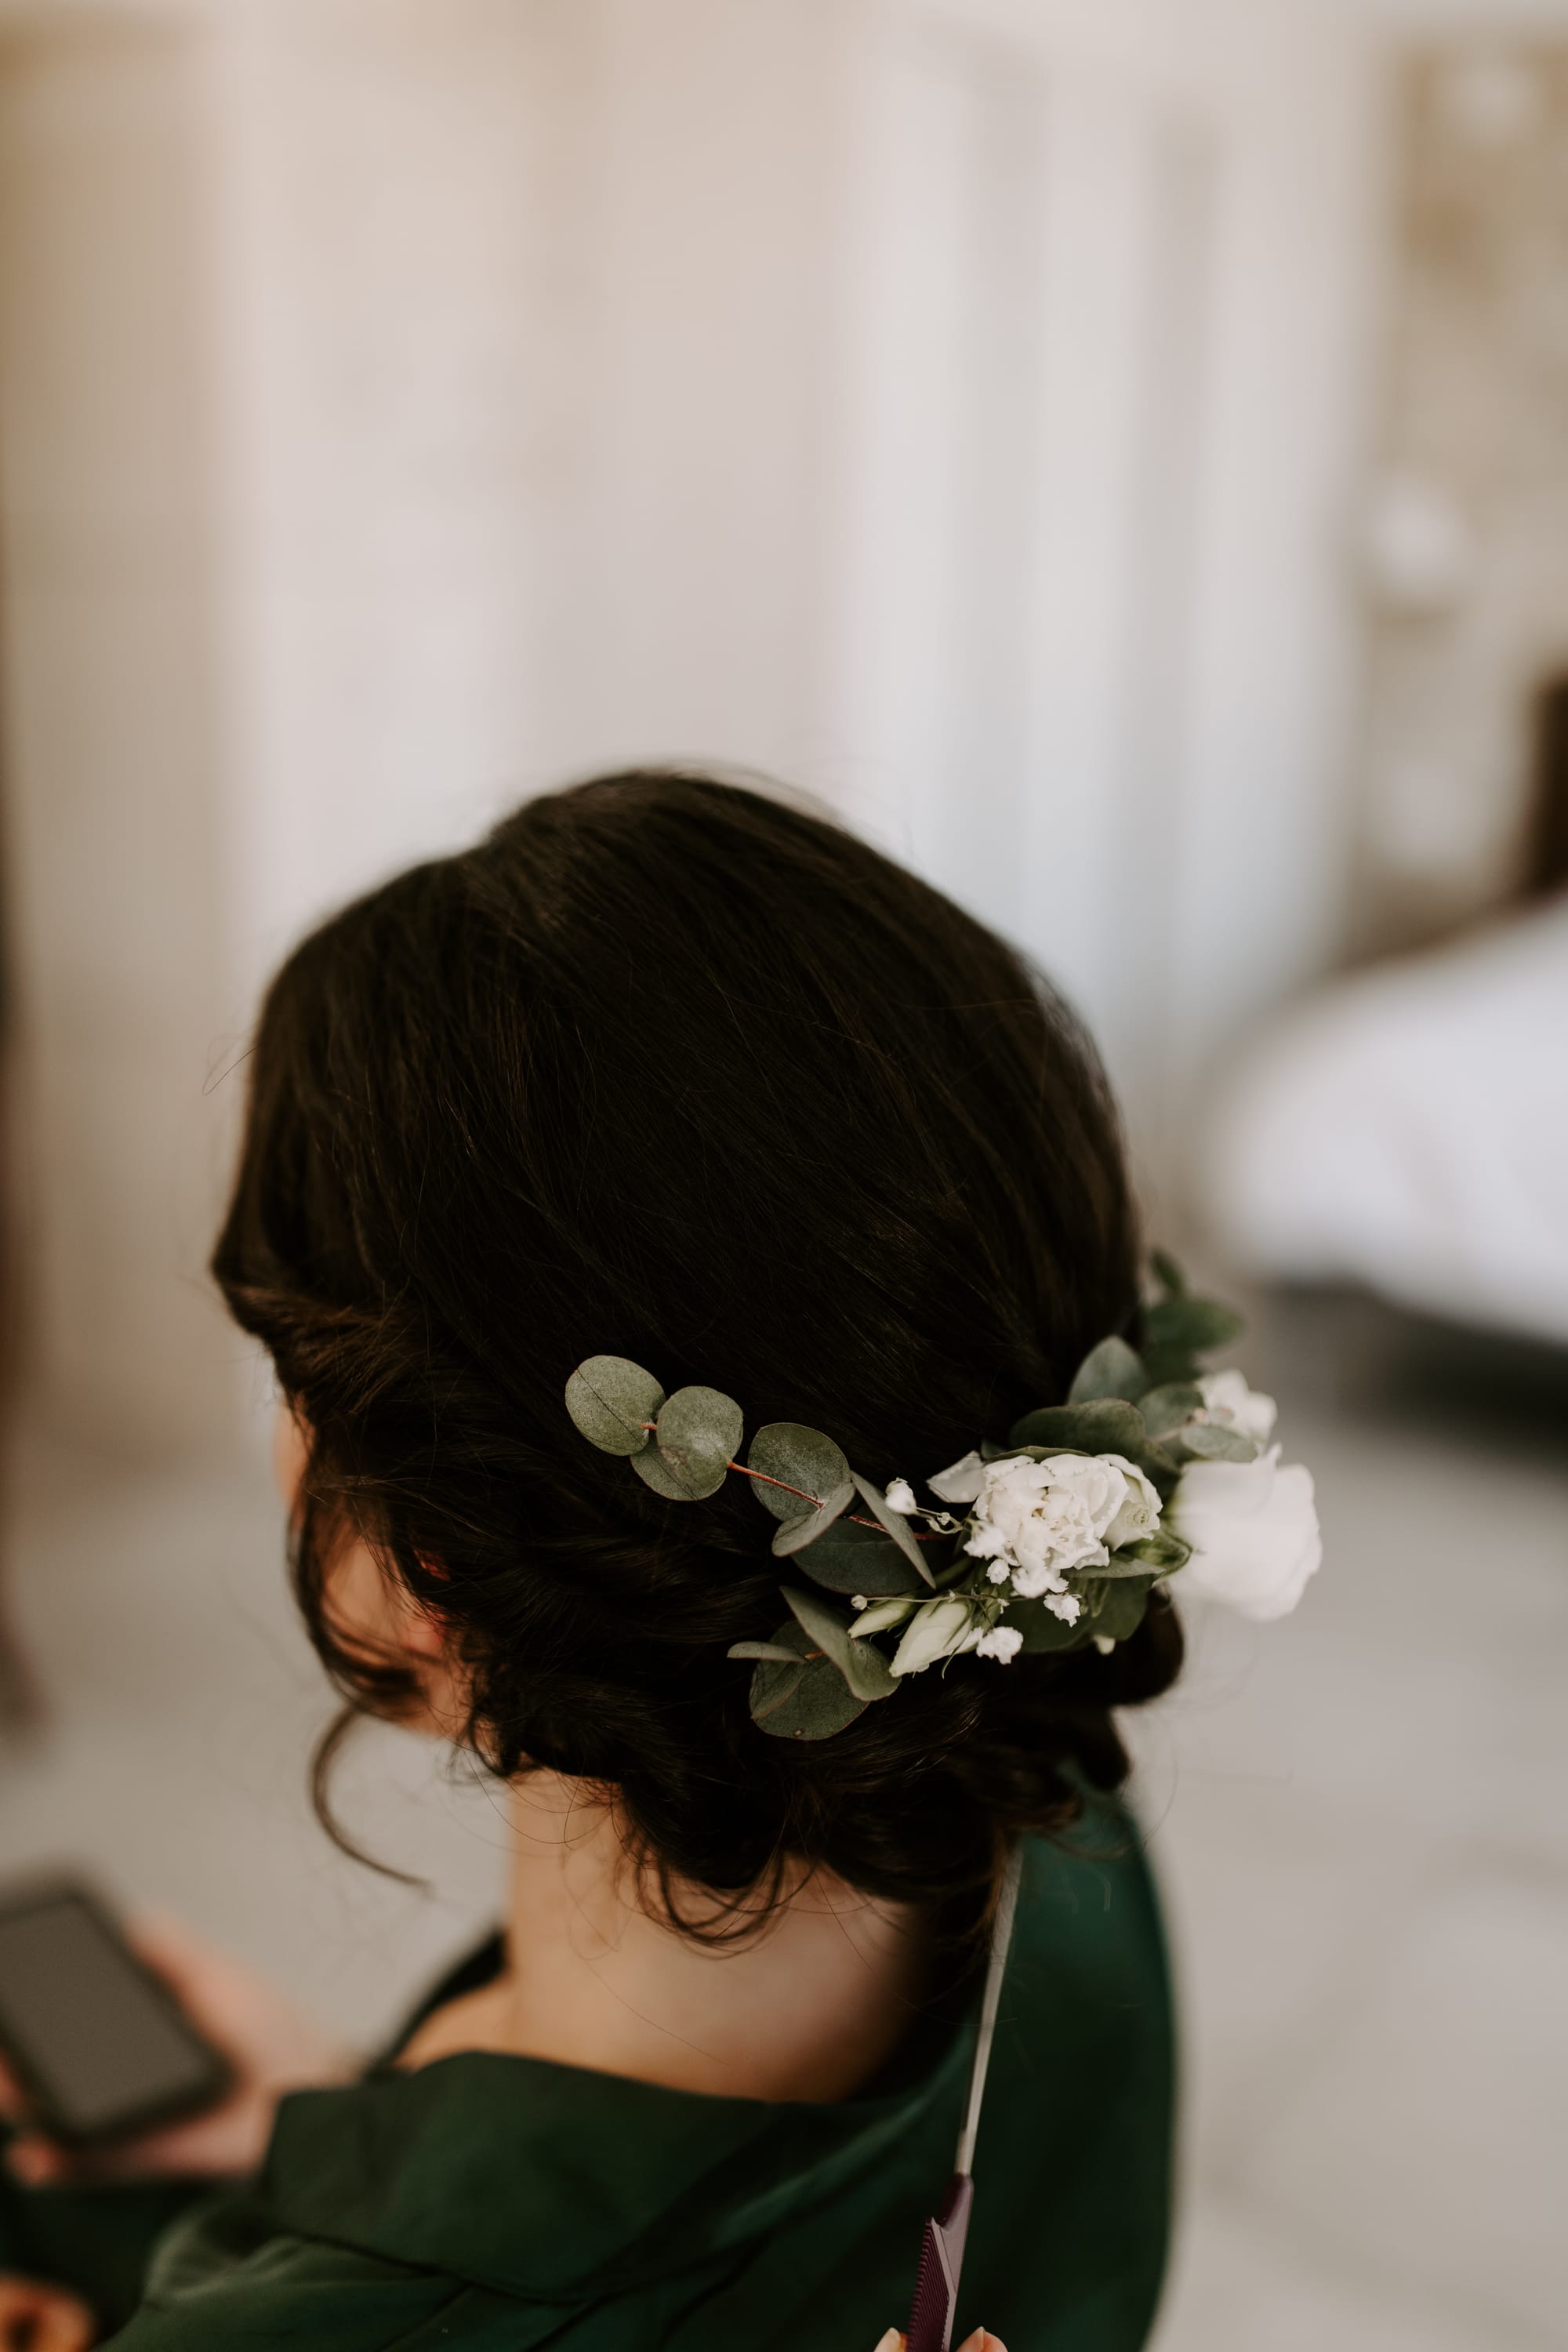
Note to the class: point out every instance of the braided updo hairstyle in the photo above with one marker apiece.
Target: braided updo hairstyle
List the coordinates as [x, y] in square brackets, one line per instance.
[669, 1069]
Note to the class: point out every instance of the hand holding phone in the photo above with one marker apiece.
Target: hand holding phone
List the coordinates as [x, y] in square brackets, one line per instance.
[245, 2044]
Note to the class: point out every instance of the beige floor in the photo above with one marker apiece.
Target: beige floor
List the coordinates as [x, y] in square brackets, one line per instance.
[1360, 1817]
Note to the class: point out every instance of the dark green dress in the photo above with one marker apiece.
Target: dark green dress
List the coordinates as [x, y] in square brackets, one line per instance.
[487, 2204]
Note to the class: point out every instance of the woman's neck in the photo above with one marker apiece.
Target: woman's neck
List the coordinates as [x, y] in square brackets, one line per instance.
[808, 2010]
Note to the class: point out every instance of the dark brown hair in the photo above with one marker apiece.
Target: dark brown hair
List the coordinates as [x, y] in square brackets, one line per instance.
[670, 1069]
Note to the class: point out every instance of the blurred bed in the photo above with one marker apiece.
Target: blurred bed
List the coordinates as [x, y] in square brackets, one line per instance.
[1406, 1132]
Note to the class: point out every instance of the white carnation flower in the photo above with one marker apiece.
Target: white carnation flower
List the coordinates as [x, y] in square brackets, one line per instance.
[1253, 1527]
[902, 1495]
[1046, 1520]
[1002, 1644]
[1228, 1401]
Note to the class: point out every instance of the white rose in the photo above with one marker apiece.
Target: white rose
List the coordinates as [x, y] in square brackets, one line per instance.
[1046, 1519]
[1139, 1513]
[1228, 1401]
[1253, 1528]
[938, 1629]
[901, 1496]
[961, 1482]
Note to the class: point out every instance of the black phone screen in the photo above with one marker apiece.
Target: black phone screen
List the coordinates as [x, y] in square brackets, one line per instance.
[98, 2043]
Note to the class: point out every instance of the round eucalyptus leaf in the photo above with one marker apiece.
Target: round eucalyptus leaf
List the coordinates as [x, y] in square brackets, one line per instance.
[1167, 1366]
[1167, 1409]
[1102, 1425]
[795, 1534]
[699, 1432]
[802, 1461]
[1212, 1443]
[853, 1559]
[1193, 1323]
[1111, 1369]
[610, 1399]
[820, 1704]
[675, 1482]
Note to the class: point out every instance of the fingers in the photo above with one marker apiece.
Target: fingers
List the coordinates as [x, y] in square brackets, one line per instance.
[35, 2161]
[39, 2163]
[979, 2342]
[43, 2318]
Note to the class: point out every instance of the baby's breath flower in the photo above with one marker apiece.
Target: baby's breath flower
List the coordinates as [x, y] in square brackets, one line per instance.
[1002, 1644]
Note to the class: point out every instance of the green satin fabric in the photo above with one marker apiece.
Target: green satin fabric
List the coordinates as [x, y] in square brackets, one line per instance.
[487, 2202]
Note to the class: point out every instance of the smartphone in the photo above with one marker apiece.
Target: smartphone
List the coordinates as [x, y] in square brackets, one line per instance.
[98, 2043]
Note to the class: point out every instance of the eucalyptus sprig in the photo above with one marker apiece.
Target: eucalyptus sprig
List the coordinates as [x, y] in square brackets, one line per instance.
[947, 1585]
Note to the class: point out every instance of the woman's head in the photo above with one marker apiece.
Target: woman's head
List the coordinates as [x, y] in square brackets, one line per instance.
[671, 1070]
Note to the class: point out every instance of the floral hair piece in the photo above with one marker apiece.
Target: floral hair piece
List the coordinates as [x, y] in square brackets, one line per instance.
[1152, 1468]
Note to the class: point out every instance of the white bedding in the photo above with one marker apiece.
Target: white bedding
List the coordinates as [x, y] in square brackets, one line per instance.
[1408, 1130]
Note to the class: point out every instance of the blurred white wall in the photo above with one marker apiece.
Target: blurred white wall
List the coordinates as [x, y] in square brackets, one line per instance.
[405, 403]
[110, 685]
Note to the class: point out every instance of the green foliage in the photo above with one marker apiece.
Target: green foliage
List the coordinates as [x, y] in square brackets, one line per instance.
[1163, 1553]
[1115, 1610]
[797, 1457]
[854, 1558]
[675, 1486]
[1193, 1324]
[897, 1526]
[1162, 1468]
[1042, 1630]
[773, 1681]
[1103, 1426]
[1210, 1440]
[774, 1650]
[808, 1701]
[610, 1398]
[699, 1431]
[1167, 1409]
[1168, 1273]
[863, 1668]
[1111, 1369]
[821, 1703]
[795, 1534]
